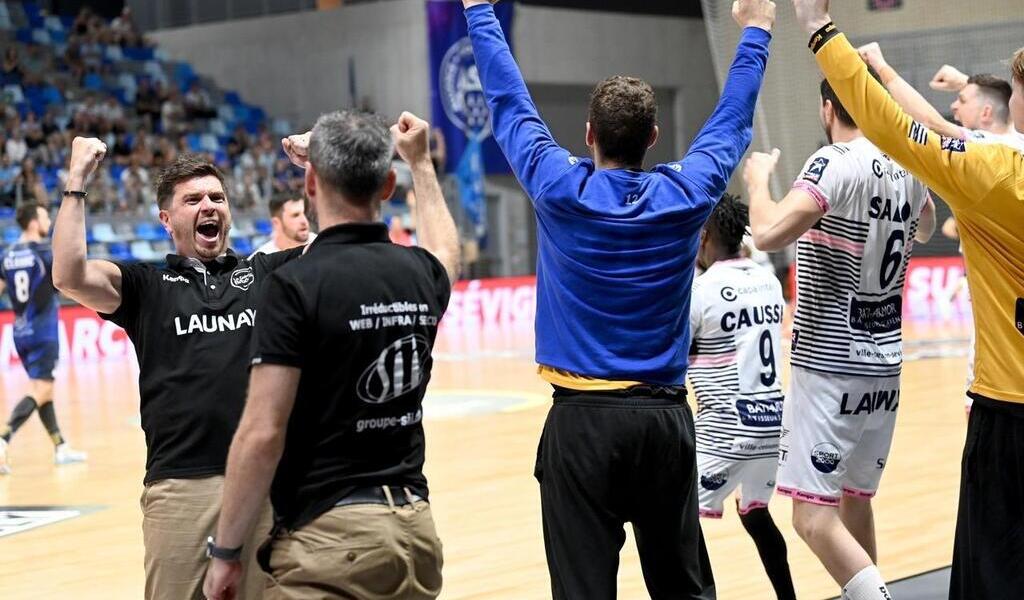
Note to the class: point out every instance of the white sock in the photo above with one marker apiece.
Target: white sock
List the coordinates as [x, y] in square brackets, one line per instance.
[867, 585]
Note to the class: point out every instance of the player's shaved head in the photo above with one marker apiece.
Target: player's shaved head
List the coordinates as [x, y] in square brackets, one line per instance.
[623, 115]
[996, 93]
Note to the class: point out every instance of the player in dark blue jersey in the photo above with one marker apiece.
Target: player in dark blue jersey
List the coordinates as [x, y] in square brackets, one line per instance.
[25, 273]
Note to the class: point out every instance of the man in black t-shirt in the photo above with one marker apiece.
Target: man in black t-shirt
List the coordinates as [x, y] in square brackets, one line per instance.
[342, 357]
[191, 323]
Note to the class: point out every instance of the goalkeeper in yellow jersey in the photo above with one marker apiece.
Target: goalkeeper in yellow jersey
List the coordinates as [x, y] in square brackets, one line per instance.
[984, 186]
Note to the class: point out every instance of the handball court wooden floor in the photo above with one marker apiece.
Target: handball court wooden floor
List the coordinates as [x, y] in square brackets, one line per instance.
[485, 410]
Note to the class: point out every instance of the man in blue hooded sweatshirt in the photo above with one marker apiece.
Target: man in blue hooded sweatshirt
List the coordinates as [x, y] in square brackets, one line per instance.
[617, 248]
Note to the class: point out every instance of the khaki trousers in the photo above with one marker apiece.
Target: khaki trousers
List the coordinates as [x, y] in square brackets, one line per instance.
[177, 517]
[359, 552]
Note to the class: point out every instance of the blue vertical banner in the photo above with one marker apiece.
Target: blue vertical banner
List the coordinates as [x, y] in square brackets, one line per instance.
[457, 102]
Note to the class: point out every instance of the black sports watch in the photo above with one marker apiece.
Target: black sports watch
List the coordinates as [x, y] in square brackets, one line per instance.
[215, 551]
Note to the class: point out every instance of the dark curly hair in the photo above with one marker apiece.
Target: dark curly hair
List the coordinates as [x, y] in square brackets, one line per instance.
[623, 113]
[728, 223]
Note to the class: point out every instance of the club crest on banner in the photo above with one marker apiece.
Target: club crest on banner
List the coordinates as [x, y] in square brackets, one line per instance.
[462, 95]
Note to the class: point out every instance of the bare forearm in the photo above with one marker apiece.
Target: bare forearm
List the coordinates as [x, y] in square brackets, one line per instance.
[926, 226]
[435, 227]
[762, 217]
[69, 243]
[916, 105]
[252, 462]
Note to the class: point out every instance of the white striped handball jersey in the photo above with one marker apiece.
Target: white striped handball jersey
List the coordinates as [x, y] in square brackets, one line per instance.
[851, 266]
[735, 368]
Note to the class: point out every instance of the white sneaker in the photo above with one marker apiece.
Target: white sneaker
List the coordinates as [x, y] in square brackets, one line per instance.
[5, 469]
[66, 455]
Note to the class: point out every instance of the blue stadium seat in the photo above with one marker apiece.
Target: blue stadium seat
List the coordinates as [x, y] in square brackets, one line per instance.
[263, 226]
[90, 238]
[149, 232]
[11, 234]
[6, 212]
[140, 54]
[232, 98]
[92, 81]
[24, 35]
[242, 245]
[119, 251]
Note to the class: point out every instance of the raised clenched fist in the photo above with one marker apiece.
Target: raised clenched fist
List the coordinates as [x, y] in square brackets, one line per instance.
[412, 138]
[812, 14]
[759, 168]
[297, 148]
[872, 54]
[948, 79]
[754, 13]
[86, 155]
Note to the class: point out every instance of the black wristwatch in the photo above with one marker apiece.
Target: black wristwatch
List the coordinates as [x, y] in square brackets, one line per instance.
[215, 551]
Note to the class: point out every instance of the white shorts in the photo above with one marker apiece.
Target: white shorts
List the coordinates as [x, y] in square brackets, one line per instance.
[717, 478]
[836, 435]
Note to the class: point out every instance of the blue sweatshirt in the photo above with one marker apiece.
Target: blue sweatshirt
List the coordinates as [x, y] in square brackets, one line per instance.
[616, 248]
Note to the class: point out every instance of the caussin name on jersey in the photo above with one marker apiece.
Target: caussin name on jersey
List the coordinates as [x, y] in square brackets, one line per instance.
[758, 315]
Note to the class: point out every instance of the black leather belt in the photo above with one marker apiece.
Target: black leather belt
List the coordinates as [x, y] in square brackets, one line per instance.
[375, 495]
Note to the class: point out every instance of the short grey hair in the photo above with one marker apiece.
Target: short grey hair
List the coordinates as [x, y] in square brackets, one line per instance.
[351, 152]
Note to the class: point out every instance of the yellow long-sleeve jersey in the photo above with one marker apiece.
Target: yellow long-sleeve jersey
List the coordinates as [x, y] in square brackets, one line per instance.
[984, 186]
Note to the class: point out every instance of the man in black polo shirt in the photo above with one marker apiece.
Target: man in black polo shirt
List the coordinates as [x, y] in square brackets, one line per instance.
[342, 357]
[191, 323]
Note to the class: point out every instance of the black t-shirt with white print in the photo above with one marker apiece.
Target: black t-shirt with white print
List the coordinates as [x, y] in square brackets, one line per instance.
[358, 315]
[191, 323]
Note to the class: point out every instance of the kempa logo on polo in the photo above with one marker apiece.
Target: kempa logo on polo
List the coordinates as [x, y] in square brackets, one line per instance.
[214, 323]
[175, 278]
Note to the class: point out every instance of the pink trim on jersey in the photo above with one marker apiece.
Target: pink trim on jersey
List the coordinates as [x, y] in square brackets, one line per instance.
[716, 360]
[820, 237]
[710, 514]
[744, 510]
[858, 493]
[813, 191]
[807, 496]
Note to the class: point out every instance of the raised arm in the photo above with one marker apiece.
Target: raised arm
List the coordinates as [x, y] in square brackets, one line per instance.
[95, 284]
[775, 226]
[906, 96]
[435, 227]
[523, 137]
[961, 172]
[721, 143]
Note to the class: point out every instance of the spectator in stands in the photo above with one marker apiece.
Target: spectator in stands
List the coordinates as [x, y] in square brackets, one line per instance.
[33, 131]
[30, 184]
[49, 123]
[121, 151]
[16, 147]
[123, 27]
[54, 153]
[247, 193]
[136, 193]
[37, 63]
[12, 71]
[172, 114]
[9, 172]
[147, 100]
[198, 104]
[112, 111]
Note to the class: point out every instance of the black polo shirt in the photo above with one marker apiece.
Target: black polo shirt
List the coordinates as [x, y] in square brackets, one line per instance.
[359, 316]
[191, 323]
